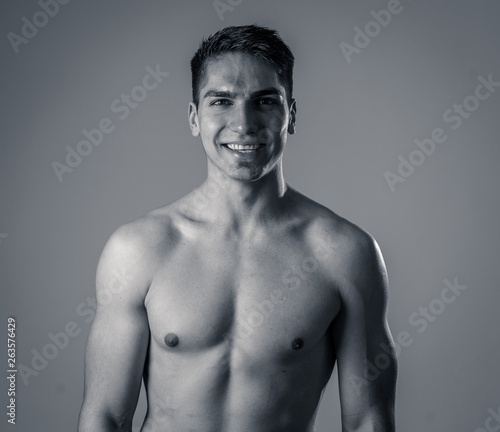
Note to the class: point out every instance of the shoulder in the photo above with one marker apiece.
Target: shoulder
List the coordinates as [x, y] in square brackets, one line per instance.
[324, 225]
[357, 266]
[156, 233]
[352, 255]
[354, 245]
[143, 236]
[134, 251]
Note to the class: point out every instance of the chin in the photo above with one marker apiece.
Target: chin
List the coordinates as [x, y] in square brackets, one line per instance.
[246, 177]
[251, 173]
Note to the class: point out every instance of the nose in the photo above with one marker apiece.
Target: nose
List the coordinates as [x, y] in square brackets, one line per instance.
[244, 119]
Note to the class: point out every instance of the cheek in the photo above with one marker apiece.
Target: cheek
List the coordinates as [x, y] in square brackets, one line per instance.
[273, 127]
[274, 134]
[278, 123]
[209, 127]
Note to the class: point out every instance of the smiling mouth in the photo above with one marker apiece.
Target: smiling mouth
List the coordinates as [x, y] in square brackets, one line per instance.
[243, 148]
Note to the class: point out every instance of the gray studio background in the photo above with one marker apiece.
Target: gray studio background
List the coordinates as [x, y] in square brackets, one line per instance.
[354, 120]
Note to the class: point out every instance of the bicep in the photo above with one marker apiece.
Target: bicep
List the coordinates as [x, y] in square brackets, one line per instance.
[119, 337]
[363, 343]
[114, 361]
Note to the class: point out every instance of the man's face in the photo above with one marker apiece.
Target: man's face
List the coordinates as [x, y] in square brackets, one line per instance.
[242, 116]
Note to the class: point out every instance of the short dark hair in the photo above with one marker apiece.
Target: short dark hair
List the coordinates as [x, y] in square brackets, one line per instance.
[261, 42]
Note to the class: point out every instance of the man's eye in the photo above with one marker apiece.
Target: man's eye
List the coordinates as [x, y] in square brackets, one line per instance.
[267, 101]
[218, 102]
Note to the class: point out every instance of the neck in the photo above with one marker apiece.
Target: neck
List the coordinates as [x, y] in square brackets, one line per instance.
[241, 204]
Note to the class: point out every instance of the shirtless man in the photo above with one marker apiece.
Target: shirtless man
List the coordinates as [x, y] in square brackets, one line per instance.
[234, 302]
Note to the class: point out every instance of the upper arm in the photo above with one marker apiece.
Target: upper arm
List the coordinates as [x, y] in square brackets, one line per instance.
[118, 340]
[366, 358]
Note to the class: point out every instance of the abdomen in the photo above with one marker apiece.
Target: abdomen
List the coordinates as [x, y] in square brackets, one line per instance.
[227, 388]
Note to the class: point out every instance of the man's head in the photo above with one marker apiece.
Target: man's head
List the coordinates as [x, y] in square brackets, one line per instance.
[242, 101]
[260, 42]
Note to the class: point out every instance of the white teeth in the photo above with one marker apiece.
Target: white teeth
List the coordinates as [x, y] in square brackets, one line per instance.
[243, 147]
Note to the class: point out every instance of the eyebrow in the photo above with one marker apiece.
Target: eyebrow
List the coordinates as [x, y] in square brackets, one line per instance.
[231, 95]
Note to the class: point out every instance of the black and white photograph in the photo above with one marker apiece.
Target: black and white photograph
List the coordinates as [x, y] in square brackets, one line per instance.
[250, 216]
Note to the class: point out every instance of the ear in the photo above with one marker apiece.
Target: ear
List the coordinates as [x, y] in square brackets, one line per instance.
[292, 117]
[193, 119]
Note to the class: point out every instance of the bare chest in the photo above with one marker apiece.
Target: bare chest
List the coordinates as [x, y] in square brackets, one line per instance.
[275, 299]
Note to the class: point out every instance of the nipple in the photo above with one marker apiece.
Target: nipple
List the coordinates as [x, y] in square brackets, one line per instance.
[297, 344]
[171, 340]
